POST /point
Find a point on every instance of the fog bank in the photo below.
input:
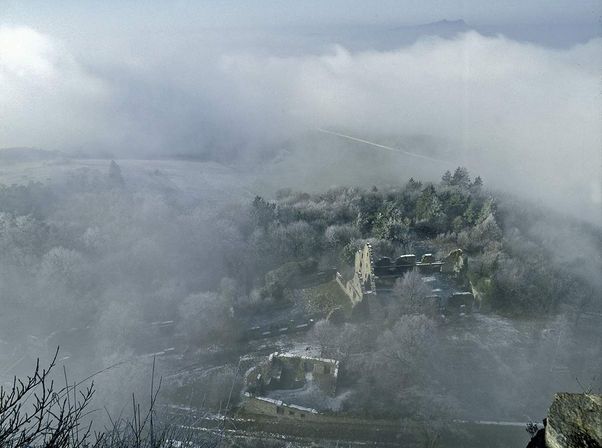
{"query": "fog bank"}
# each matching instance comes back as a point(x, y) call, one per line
point(525, 117)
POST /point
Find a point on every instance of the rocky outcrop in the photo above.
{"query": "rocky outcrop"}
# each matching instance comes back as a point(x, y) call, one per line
point(574, 421)
point(538, 440)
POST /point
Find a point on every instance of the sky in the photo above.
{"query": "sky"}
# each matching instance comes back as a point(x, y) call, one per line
point(60, 13)
point(514, 91)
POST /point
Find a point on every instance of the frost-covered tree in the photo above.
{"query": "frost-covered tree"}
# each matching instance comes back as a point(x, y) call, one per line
point(206, 318)
point(339, 235)
point(461, 178)
point(404, 350)
point(446, 179)
point(412, 292)
point(429, 210)
point(115, 176)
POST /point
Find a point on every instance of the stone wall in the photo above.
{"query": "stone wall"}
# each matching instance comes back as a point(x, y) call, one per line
point(364, 262)
point(454, 263)
point(291, 371)
point(461, 302)
point(352, 288)
point(276, 408)
point(324, 372)
point(372, 275)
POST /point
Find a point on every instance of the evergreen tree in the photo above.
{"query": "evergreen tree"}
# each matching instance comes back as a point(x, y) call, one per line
point(115, 175)
point(429, 210)
point(477, 185)
point(446, 179)
point(263, 212)
point(413, 185)
point(461, 177)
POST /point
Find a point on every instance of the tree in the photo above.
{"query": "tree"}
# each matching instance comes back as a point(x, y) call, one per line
point(295, 240)
point(33, 412)
point(454, 203)
point(446, 179)
point(412, 293)
point(115, 175)
point(323, 335)
point(477, 185)
point(338, 341)
point(348, 252)
point(340, 235)
point(485, 232)
point(471, 213)
point(429, 210)
point(205, 318)
point(263, 212)
point(413, 184)
point(461, 177)
point(369, 205)
point(403, 351)
point(284, 276)
point(389, 225)
point(64, 266)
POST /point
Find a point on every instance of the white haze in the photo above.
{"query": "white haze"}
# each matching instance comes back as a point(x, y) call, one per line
point(525, 117)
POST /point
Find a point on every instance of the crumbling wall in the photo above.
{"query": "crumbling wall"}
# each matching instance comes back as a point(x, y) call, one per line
point(462, 302)
point(362, 281)
point(372, 275)
point(364, 263)
point(258, 378)
point(352, 288)
point(454, 263)
point(290, 371)
point(322, 371)
point(276, 408)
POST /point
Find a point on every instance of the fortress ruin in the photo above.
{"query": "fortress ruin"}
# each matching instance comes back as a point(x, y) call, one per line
point(293, 376)
point(292, 371)
point(371, 275)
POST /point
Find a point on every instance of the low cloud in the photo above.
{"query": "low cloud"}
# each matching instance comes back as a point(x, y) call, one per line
point(525, 117)
point(47, 99)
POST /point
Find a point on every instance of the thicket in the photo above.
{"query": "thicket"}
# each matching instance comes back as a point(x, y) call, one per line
point(99, 257)
point(515, 269)
point(94, 252)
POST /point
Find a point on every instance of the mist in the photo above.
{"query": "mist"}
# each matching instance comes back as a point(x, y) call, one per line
point(165, 177)
point(523, 115)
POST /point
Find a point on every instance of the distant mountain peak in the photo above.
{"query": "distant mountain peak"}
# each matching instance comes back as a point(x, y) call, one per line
point(458, 22)
point(442, 27)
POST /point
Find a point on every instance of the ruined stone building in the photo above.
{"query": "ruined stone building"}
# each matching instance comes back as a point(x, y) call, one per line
point(277, 408)
point(306, 382)
point(292, 371)
point(373, 275)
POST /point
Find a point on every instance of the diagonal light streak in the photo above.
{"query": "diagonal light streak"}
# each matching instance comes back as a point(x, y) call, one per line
point(385, 147)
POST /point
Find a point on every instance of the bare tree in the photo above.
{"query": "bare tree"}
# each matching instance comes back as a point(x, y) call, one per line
point(408, 343)
point(323, 335)
point(33, 412)
point(412, 293)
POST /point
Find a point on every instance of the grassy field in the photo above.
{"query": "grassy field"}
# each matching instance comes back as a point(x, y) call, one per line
point(325, 298)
